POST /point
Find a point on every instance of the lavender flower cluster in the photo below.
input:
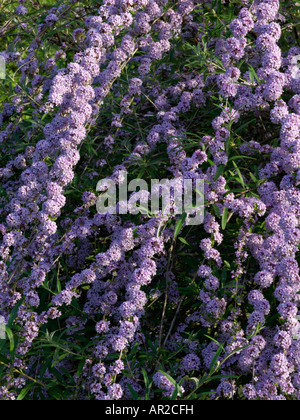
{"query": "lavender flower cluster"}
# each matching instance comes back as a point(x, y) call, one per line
point(120, 100)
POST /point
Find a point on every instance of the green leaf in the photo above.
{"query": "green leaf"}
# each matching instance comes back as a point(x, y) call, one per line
point(225, 218)
point(58, 285)
point(196, 380)
point(215, 358)
point(134, 394)
point(253, 75)
point(11, 338)
point(173, 382)
point(180, 224)
point(239, 174)
point(254, 179)
point(204, 394)
point(183, 241)
point(14, 313)
point(55, 393)
point(219, 172)
point(146, 379)
point(212, 378)
point(217, 211)
point(148, 385)
point(240, 157)
point(25, 391)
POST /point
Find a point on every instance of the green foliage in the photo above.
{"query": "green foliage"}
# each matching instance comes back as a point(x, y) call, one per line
point(53, 346)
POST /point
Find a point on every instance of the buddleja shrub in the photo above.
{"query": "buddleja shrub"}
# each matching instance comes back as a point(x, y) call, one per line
point(142, 306)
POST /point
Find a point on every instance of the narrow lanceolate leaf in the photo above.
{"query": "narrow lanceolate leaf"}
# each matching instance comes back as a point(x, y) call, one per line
point(215, 359)
point(10, 336)
point(106, 291)
point(225, 218)
point(219, 172)
point(25, 391)
point(184, 241)
point(239, 174)
point(179, 225)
